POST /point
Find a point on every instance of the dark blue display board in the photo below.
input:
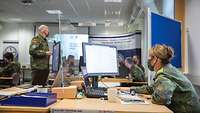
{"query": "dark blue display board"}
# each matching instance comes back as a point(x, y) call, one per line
point(56, 57)
point(167, 31)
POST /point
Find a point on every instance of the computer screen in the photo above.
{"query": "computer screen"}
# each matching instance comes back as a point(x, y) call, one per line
point(100, 60)
point(81, 63)
point(56, 57)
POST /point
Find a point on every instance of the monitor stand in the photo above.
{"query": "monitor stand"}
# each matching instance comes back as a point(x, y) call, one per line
point(94, 81)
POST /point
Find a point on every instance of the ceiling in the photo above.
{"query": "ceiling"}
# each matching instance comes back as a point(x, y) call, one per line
point(74, 11)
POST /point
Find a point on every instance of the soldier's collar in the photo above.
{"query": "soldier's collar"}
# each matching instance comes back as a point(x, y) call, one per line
point(161, 70)
point(41, 36)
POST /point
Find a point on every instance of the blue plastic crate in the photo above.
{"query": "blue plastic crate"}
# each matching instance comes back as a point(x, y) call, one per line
point(31, 99)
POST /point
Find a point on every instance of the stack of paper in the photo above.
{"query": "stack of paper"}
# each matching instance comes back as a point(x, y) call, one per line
point(131, 99)
point(11, 91)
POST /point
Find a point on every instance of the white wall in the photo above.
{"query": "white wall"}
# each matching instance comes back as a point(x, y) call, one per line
point(25, 35)
point(18, 32)
point(193, 37)
point(24, 32)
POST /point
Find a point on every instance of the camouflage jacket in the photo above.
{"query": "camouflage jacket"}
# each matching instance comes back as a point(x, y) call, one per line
point(137, 73)
point(38, 48)
point(9, 69)
point(173, 89)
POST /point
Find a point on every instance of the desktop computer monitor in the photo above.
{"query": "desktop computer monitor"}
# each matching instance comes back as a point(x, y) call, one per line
point(56, 57)
point(81, 63)
point(100, 60)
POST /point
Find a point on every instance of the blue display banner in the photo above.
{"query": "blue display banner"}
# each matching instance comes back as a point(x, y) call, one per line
point(167, 31)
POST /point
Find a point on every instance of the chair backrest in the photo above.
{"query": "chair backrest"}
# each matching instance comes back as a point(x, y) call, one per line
point(16, 79)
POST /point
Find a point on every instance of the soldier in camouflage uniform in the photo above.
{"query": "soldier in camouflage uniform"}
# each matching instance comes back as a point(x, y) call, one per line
point(10, 65)
point(136, 72)
point(137, 61)
point(40, 54)
point(171, 87)
point(69, 65)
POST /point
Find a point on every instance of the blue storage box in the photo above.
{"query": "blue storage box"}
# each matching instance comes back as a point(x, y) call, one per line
point(31, 99)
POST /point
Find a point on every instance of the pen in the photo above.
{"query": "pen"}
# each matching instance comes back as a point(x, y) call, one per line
point(133, 100)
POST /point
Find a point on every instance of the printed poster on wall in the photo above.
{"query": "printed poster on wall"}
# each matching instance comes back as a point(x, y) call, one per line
point(127, 45)
point(13, 47)
point(72, 44)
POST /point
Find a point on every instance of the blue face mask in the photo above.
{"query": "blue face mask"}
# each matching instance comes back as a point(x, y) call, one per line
point(150, 66)
point(47, 34)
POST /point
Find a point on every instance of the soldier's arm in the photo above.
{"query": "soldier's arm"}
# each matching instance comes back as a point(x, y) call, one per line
point(8, 70)
point(17, 67)
point(143, 89)
point(137, 74)
point(35, 49)
point(164, 89)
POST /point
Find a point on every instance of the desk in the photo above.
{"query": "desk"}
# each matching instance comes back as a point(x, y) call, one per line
point(110, 80)
point(94, 105)
point(122, 80)
point(17, 109)
point(23, 109)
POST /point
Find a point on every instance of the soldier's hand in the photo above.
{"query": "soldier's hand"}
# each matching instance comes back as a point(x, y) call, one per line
point(49, 53)
point(123, 88)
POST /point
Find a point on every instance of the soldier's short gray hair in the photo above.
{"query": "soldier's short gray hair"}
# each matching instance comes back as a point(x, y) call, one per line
point(41, 28)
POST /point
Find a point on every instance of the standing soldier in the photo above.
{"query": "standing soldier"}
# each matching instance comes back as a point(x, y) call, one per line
point(40, 54)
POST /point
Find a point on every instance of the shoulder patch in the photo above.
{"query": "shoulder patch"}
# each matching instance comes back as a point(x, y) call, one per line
point(34, 46)
point(35, 41)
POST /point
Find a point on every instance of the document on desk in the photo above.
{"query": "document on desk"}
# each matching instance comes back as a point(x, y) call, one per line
point(11, 91)
point(131, 99)
point(15, 90)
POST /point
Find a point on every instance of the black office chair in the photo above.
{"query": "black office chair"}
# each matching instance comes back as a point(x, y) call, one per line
point(13, 80)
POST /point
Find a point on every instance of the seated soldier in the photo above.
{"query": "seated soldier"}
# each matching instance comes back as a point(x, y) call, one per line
point(171, 87)
point(137, 61)
point(135, 71)
point(123, 70)
point(10, 65)
point(69, 66)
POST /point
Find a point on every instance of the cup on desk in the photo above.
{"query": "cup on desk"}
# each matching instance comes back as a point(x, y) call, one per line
point(42, 90)
point(112, 95)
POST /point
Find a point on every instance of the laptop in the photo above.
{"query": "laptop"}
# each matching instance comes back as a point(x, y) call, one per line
point(84, 71)
point(58, 80)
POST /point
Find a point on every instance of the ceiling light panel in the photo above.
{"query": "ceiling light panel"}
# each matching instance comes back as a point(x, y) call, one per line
point(54, 12)
point(113, 1)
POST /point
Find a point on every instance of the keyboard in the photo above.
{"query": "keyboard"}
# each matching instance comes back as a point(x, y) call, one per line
point(96, 92)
